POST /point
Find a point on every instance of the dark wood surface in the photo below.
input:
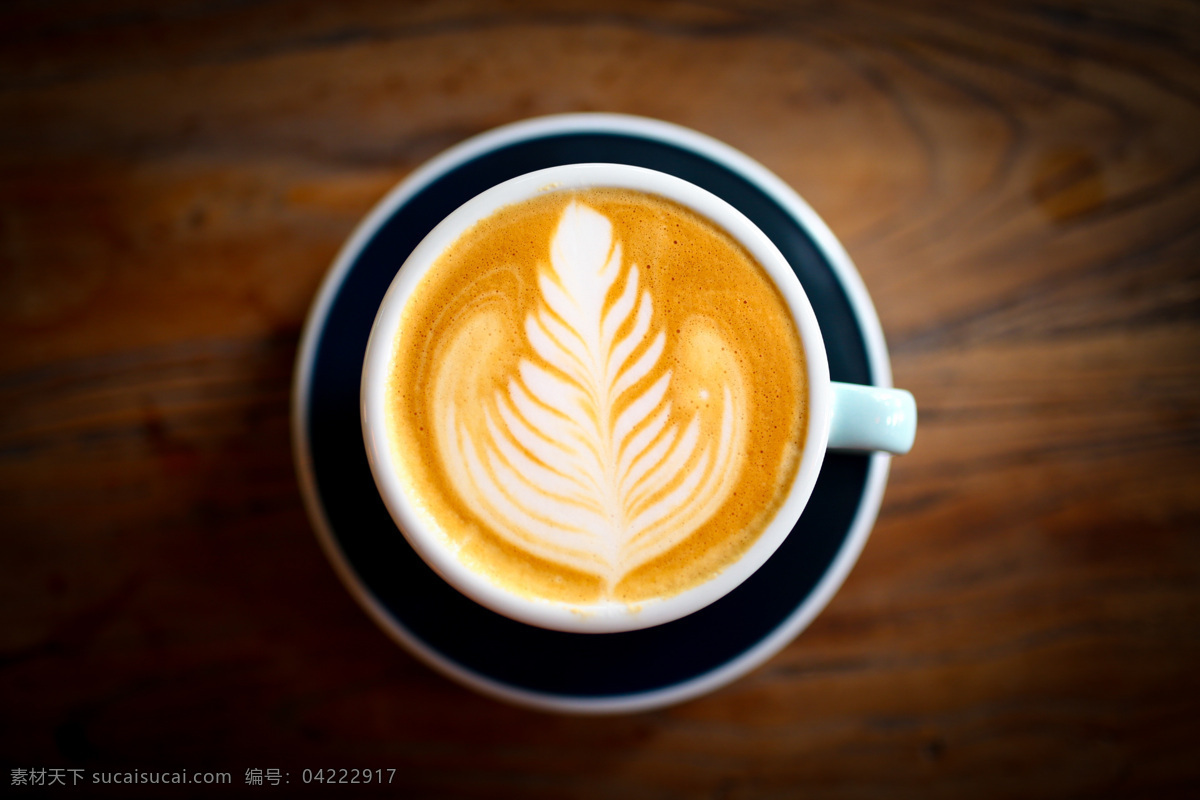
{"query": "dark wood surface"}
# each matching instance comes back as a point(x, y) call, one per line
point(1018, 184)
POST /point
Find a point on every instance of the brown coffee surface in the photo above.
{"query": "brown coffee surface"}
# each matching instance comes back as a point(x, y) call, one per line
point(597, 395)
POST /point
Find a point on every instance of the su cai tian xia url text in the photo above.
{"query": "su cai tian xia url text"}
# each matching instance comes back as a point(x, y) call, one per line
point(254, 776)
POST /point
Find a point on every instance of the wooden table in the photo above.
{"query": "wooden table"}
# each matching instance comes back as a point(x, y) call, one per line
point(1019, 187)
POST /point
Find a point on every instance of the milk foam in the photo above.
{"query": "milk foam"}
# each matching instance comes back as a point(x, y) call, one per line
point(595, 395)
point(574, 460)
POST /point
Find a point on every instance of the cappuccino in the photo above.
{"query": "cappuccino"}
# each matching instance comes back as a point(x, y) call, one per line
point(596, 395)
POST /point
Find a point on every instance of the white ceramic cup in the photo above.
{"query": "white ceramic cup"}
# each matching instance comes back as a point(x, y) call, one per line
point(840, 416)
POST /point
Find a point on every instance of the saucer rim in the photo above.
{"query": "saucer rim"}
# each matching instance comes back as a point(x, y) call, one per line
point(844, 271)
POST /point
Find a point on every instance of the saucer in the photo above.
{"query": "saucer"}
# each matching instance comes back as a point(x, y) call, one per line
point(552, 670)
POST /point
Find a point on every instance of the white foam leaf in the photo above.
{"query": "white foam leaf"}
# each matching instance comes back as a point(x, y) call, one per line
point(583, 462)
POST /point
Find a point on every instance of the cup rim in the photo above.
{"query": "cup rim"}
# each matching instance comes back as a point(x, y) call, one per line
point(608, 616)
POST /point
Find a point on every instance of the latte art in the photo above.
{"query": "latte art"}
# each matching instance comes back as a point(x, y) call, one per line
point(576, 460)
point(596, 395)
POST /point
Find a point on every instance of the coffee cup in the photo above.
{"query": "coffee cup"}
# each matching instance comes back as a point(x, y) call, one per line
point(595, 398)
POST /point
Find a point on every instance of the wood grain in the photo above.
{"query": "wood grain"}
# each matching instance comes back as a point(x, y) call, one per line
point(1019, 185)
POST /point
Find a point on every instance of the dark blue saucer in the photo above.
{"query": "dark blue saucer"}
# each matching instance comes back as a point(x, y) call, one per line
point(467, 641)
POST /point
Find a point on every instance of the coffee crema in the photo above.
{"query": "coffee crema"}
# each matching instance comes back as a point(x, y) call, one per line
point(596, 395)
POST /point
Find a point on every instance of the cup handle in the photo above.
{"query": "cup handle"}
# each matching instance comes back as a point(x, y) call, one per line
point(872, 418)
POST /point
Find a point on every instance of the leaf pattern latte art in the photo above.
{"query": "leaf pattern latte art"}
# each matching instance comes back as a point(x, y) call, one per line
point(579, 459)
